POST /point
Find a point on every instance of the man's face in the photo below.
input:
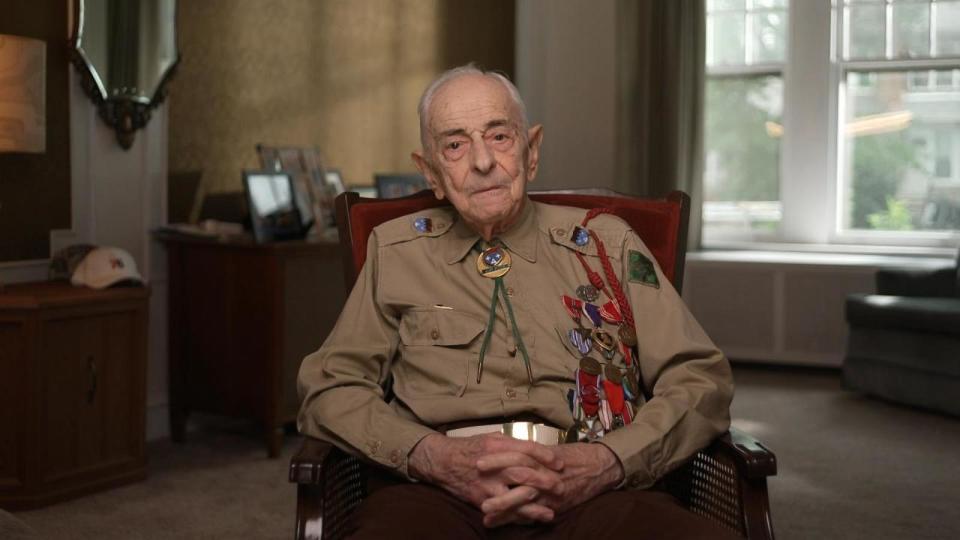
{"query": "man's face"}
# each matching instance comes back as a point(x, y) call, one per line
point(478, 157)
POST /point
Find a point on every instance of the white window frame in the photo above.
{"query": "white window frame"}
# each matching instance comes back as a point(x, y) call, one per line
point(810, 171)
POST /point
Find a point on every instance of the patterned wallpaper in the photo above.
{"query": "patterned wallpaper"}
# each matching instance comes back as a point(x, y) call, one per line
point(341, 75)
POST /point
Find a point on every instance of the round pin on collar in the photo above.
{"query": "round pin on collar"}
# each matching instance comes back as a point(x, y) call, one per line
point(580, 236)
point(493, 262)
point(423, 224)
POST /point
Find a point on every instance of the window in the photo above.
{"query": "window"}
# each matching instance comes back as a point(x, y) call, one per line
point(832, 122)
point(746, 45)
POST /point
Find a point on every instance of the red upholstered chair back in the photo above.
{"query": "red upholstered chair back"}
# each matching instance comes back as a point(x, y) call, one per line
point(661, 223)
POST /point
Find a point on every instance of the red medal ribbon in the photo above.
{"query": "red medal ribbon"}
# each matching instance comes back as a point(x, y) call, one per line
point(614, 396)
point(610, 313)
point(589, 393)
point(573, 306)
point(627, 354)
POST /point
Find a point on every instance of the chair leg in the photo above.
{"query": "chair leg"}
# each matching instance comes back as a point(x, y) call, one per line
point(309, 512)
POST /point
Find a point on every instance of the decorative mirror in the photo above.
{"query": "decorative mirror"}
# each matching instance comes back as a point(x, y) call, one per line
point(125, 51)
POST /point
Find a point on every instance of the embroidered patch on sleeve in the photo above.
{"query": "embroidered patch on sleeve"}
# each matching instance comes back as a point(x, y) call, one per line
point(641, 270)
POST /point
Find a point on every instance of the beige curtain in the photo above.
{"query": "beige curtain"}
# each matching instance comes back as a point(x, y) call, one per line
point(660, 56)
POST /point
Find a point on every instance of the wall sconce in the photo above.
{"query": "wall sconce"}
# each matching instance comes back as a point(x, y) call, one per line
point(23, 94)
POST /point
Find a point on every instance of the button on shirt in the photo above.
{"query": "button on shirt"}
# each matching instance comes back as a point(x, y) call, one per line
point(418, 313)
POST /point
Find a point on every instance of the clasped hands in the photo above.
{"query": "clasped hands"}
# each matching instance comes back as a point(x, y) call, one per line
point(513, 481)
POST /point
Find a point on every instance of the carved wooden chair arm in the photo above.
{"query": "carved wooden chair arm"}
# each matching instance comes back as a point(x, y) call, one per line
point(330, 485)
point(727, 482)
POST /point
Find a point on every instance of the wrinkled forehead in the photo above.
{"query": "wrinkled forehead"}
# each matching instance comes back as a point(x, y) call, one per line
point(471, 102)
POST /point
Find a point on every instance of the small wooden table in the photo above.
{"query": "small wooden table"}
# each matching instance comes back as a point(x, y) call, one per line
point(242, 318)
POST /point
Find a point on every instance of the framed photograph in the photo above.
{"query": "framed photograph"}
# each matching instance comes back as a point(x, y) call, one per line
point(306, 168)
point(393, 185)
point(274, 210)
point(334, 181)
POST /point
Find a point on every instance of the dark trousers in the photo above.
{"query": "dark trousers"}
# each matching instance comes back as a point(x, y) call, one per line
point(421, 511)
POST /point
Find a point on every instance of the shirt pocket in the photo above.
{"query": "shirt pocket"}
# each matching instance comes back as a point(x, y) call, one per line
point(437, 346)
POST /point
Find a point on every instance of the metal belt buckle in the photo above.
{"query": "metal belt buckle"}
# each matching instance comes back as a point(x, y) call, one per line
point(524, 431)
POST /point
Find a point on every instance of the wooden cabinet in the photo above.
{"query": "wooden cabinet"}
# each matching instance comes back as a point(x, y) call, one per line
point(242, 317)
point(72, 390)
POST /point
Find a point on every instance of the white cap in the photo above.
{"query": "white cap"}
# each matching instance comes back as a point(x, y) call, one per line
point(105, 266)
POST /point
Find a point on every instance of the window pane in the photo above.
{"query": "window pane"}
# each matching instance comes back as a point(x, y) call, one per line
point(901, 164)
point(911, 30)
point(714, 5)
point(769, 3)
point(948, 28)
point(742, 157)
point(769, 36)
point(867, 31)
point(725, 39)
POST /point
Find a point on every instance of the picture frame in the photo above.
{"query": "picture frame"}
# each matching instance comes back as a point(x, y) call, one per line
point(334, 181)
point(393, 185)
point(272, 198)
point(305, 166)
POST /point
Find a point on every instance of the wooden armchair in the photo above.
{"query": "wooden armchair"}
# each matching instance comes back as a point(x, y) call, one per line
point(726, 482)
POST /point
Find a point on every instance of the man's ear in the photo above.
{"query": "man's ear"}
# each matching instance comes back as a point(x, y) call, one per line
point(428, 172)
point(534, 138)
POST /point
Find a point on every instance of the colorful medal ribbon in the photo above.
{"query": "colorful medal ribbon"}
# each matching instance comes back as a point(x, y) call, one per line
point(573, 306)
point(610, 310)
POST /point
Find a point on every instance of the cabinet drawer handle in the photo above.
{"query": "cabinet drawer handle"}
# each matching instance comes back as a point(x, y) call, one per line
point(92, 391)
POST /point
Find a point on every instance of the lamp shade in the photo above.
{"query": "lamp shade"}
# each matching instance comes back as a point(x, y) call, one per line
point(23, 94)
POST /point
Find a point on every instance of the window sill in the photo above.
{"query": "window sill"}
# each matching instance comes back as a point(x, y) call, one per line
point(832, 256)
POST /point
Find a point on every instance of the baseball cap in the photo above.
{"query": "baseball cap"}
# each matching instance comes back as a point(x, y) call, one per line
point(103, 267)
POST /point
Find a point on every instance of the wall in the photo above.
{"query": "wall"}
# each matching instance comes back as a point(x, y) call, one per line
point(566, 73)
point(342, 76)
point(35, 188)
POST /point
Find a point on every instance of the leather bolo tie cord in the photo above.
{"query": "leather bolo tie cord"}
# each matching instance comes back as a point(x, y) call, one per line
point(499, 292)
point(595, 278)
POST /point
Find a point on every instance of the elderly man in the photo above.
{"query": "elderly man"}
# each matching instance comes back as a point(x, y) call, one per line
point(500, 316)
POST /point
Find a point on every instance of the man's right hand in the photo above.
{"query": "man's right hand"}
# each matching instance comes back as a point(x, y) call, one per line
point(451, 463)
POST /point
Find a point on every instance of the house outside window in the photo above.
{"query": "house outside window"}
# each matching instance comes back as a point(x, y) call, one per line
point(831, 123)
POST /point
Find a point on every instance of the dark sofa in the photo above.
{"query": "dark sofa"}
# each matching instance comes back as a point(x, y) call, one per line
point(904, 342)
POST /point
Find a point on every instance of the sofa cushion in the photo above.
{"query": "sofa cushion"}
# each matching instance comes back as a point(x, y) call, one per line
point(937, 315)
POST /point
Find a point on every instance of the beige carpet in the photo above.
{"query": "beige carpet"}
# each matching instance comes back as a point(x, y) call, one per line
point(850, 467)
point(219, 484)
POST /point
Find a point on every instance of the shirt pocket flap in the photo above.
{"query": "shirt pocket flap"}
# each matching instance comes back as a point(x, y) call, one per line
point(442, 327)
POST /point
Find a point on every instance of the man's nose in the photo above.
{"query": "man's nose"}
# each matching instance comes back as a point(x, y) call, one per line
point(481, 157)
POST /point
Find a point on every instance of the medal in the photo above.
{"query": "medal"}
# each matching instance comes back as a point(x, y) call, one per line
point(605, 415)
point(588, 392)
point(493, 262)
point(612, 374)
point(587, 293)
point(590, 366)
point(628, 336)
point(580, 341)
point(604, 340)
point(593, 313)
point(610, 313)
point(630, 387)
point(573, 306)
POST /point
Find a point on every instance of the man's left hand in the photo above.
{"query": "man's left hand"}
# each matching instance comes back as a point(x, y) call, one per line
point(589, 470)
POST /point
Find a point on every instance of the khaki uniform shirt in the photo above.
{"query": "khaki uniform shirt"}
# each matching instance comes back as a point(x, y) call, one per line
point(418, 313)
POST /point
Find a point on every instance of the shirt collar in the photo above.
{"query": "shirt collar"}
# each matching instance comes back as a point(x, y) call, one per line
point(520, 239)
